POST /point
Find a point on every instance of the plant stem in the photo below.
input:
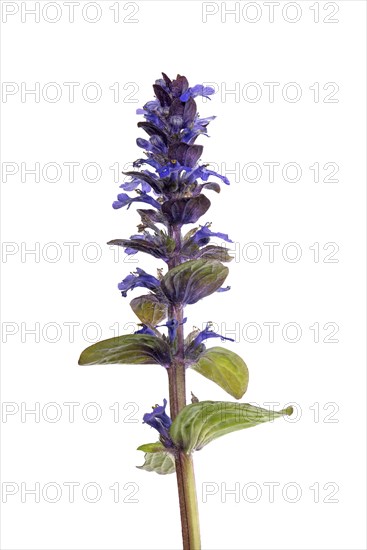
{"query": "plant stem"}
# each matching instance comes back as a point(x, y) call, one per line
point(177, 394)
point(188, 502)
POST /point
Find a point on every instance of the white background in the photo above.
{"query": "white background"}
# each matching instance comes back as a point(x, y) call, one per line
point(325, 379)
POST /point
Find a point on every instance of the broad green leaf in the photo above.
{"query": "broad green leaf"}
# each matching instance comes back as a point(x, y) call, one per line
point(156, 447)
point(159, 462)
point(199, 423)
point(225, 368)
point(149, 309)
point(132, 349)
point(190, 281)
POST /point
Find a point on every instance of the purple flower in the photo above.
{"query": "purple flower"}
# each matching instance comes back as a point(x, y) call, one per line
point(224, 289)
point(144, 144)
point(152, 162)
point(172, 124)
point(160, 421)
point(140, 279)
point(190, 134)
point(154, 145)
point(131, 251)
point(134, 183)
point(147, 179)
point(125, 200)
point(207, 333)
point(199, 89)
point(176, 123)
point(203, 173)
point(151, 244)
point(202, 236)
point(172, 168)
point(145, 330)
point(172, 325)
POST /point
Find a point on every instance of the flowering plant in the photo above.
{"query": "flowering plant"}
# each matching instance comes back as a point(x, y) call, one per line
point(172, 185)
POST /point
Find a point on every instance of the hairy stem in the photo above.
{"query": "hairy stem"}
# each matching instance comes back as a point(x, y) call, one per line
point(177, 394)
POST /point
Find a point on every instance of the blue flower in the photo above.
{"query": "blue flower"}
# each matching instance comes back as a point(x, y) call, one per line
point(172, 124)
point(172, 325)
point(160, 421)
point(152, 162)
point(145, 330)
point(202, 236)
point(134, 183)
point(199, 89)
point(154, 145)
point(125, 200)
point(189, 135)
point(131, 251)
point(207, 333)
point(152, 241)
point(224, 289)
point(203, 173)
point(144, 144)
point(171, 168)
point(140, 279)
point(176, 122)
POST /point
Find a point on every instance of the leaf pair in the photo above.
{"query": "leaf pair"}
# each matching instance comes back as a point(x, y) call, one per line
point(186, 283)
point(222, 366)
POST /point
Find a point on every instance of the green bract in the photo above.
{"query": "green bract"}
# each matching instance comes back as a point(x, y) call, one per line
point(149, 310)
point(191, 281)
point(156, 447)
point(159, 462)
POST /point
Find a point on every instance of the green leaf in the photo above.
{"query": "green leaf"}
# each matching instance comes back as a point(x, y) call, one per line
point(213, 252)
point(159, 462)
point(149, 309)
point(225, 368)
point(189, 282)
point(199, 423)
point(132, 349)
point(156, 447)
